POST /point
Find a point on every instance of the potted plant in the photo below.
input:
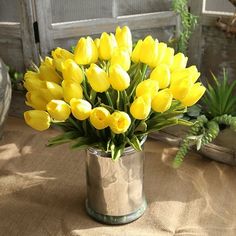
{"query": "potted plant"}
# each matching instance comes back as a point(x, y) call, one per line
point(106, 97)
point(216, 118)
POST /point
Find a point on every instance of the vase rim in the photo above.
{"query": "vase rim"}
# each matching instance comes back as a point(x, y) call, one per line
point(127, 150)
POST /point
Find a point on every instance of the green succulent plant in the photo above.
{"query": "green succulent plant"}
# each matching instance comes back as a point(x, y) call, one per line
point(218, 110)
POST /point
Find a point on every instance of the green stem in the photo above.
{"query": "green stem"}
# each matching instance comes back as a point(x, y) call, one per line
point(109, 99)
point(73, 122)
point(118, 100)
point(84, 124)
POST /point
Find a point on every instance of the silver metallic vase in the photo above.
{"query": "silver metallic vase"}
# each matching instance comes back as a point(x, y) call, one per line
point(115, 192)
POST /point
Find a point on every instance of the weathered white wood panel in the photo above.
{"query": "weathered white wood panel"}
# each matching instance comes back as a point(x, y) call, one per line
point(9, 11)
point(73, 10)
point(124, 7)
point(44, 18)
point(30, 51)
point(10, 30)
point(140, 21)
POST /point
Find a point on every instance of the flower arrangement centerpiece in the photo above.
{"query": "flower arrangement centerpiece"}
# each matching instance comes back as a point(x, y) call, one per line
point(110, 93)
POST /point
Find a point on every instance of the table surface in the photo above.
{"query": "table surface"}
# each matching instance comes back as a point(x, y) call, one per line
point(42, 191)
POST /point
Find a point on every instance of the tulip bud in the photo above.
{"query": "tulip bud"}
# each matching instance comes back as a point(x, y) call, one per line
point(49, 74)
point(39, 120)
point(124, 38)
point(97, 43)
point(180, 88)
point(86, 51)
point(49, 63)
point(33, 82)
point(122, 58)
point(118, 78)
point(148, 86)
point(168, 57)
point(195, 93)
point(80, 108)
point(135, 57)
point(119, 122)
point(149, 50)
point(58, 110)
point(107, 46)
point(141, 107)
point(190, 72)
point(161, 74)
point(180, 62)
point(36, 100)
point(54, 90)
point(71, 90)
point(99, 117)
point(71, 71)
point(97, 78)
point(162, 101)
point(31, 74)
point(160, 56)
point(60, 55)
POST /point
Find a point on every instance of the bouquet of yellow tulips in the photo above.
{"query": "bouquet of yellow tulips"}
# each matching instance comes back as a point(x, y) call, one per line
point(110, 93)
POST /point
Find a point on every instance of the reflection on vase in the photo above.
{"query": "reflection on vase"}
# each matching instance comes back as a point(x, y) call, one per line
point(115, 188)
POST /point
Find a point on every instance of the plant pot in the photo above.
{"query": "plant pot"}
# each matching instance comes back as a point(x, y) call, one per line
point(115, 192)
point(5, 94)
point(222, 149)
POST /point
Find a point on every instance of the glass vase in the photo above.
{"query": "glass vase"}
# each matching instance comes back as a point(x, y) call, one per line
point(115, 193)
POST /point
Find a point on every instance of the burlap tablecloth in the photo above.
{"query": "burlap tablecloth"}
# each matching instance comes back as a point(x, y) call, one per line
point(42, 191)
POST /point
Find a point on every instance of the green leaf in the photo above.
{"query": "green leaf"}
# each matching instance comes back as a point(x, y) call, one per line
point(135, 143)
point(83, 142)
point(63, 138)
point(116, 151)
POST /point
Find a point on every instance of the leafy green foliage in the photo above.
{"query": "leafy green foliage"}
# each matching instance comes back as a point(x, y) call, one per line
point(189, 22)
point(219, 98)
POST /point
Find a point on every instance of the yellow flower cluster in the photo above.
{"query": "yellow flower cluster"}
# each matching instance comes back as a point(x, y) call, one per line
point(108, 83)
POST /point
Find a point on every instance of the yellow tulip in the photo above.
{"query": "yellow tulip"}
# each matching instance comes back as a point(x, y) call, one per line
point(99, 117)
point(148, 86)
point(180, 62)
point(71, 71)
point(124, 38)
point(161, 53)
point(122, 58)
point(161, 74)
point(86, 51)
point(36, 100)
point(119, 122)
point(118, 78)
point(80, 108)
point(60, 55)
point(97, 42)
point(149, 50)
point(135, 57)
point(71, 90)
point(180, 88)
point(107, 46)
point(195, 93)
point(162, 101)
point(32, 75)
point(49, 62)
point(141, 107)
point(54, 90)
point(58, 110)
point(39, 120)
point(49, 74)
point(33, 83)
point(190, 72)
point(168, 57)
point(97, 78)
